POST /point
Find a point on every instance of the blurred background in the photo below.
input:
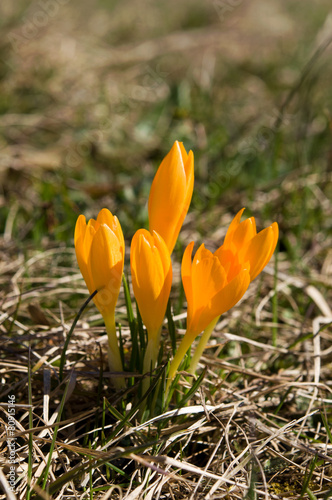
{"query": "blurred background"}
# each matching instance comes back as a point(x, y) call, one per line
point(93, 95)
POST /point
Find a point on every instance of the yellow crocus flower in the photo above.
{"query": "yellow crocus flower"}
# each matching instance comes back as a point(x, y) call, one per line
point(209, 294)
point(100, 249)
point(151, 272)
point(171, 193)
point(214, 283)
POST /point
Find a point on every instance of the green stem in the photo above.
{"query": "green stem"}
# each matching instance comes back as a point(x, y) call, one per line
point(275, 300)
point(150, 357)
point(201, 345)
point(114, 357)
point(180, 353)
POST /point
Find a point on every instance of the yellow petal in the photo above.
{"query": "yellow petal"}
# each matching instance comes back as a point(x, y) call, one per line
point(151, 277)
point(106, 217)
point(189, 169)
point(163, 253)
point(106, 267)
point(83, 238)
point(232, 228)
point(275, 230)
point(183, 151)
point(149, 268)
point(186, 268)
point(208, 277)
point(260, 249)
point(170, 194)
point(226, 258)
point(168, 275)
point(80, 229)
point(93, 223)
point(202, 253)
point(226, 298)
point(202, 279)
point(117, 229)
point(244, 233)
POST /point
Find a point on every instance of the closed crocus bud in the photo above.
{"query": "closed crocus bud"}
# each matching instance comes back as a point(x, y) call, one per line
point(100, 249)
point(209, 294)
point(151, 272)
point(171, 193)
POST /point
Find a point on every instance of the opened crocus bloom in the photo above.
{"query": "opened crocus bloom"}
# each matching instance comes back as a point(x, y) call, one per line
point(243, 245)
point(214, 283)
point(171, 193)
point(100, 249)
point(209, 294)
point(151, 272)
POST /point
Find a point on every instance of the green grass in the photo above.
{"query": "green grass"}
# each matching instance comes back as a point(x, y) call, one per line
point(87, 115)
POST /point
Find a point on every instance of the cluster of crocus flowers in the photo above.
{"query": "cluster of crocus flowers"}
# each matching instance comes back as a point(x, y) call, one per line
point(214, 283)
point(100, 248)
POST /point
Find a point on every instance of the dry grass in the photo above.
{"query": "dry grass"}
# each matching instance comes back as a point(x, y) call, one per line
point(258, 417)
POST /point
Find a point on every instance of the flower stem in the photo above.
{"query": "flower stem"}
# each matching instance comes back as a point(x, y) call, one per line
point(114, 357)
point(201, 345)
point(150, 357)
point(180, 353)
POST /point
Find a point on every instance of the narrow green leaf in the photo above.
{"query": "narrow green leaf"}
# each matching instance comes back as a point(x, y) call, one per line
point(130, 314)
point(308, 477)
point(142, 334)
point(135, 360)
point(192, 389)
point(171, 326)
point(311, 495)
point(326, 425)
point(283, 399)
point(77, 317)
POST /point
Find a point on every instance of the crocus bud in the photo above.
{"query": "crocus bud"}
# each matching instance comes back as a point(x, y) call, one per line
point(151, 272)
point(171, 193)
point(100, 250)
point(99, 247)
